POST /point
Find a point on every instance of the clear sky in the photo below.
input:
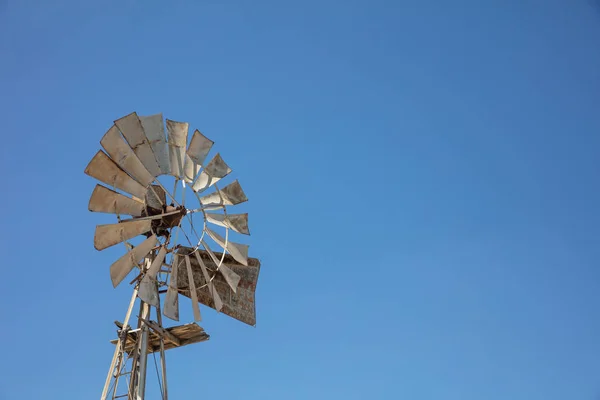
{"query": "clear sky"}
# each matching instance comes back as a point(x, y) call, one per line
point(423, 184)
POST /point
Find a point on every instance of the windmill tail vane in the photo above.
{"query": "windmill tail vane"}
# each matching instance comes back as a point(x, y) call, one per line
point(177, 243)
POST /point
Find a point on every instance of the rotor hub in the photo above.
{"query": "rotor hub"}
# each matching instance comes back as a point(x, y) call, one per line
point(161, 226)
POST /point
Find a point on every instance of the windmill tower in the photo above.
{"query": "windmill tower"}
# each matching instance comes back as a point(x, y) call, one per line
point(168, 238)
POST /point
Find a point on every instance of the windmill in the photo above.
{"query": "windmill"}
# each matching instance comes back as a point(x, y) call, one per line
point(168, 238)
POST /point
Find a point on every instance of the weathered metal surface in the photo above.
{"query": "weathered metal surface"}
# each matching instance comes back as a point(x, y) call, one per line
point(148, 289)
point(199, 147)
point(123, 266)
point(218, 304)
point(191, 169)
point(108, 201)
point(236, 222)
point(152, 200)
point(196, 154)
point(185, 334)
point(106, 170)
point(171, 309)
point(215, 170)
point(240, 305)
point(111, 234)
point(121, 153)
point(193, 293)
point(237, 250)
point(231, 194)
point(177, 139)
point(154, 128)
point(231, 277)
point(131, 127)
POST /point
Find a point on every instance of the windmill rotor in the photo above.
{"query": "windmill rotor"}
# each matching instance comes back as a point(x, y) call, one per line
point(178, 241)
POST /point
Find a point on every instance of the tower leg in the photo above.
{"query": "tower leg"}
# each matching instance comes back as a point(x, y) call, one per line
point(163, 361)
point(118, 348)
point(143, 359)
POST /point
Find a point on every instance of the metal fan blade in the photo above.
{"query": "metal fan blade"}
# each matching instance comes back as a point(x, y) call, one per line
point(193, 293)
point(131, 127)
point(237, 250)
point(111, 234)
point(231, 194)
point(105, 170)
point(214, 171)
point(123, 266)
point(196, 154)
point(237, 222)
point(148, 288)
point(177, 132)
point(191, 169)
point(231, 277)
point(108, 201)
point(211, 286)
point(152, 200)
point(155, 132)
point(171, 309)
point(121, 153)
point(199, 147)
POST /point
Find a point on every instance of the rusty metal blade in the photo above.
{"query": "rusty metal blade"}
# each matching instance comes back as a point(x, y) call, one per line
point(123, 266)
point(171, 309)
point(121, 153)
point(177, 133)
point(215, 170)
point(131, 127)
point(154, 128)
point(148, 288)
point(193, 292)
point(231, 277)
point(237, 222)
point(105, 170)
point(237, 250)
point(108, 201)
point(111, 234)
point(199, 147)
point(218, 303)
point(231, 194)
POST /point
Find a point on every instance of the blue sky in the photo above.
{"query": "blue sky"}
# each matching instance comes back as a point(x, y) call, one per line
point(423, 184)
